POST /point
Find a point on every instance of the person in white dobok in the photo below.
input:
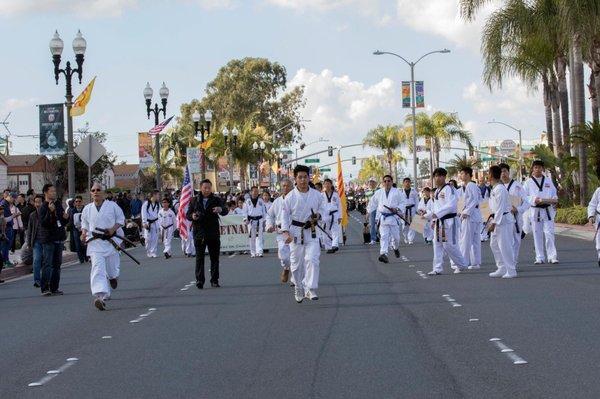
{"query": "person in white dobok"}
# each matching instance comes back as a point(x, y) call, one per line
point(106, 215)
point(150, 210)
point(515, 189)
point(443, 215)
point(542, 196)
point(593, 213)
point(332, 217)
point(389, 203)
point(470, 216)
point(501, 226)
point(254, 216)
point(166, 223)
point(301, 211)
point(274, 221)
point(412, 200)
point(187, 244)
point(425, 205)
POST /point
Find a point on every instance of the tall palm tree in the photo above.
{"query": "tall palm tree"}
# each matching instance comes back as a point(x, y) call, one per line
point(589, 137)
point(387, 139)
point(371, 168)
point(459, 162)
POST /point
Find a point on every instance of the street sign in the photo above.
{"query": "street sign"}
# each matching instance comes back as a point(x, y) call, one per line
point(193, 159)
point(90, 150)
point(324, 169)
point(508, 147)
point(312, 160)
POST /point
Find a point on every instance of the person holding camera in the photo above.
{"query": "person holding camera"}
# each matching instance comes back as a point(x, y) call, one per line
point(203, 212)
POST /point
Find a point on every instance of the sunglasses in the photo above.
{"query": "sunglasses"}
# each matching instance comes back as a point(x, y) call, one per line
point(387, 181)
point(95, 190)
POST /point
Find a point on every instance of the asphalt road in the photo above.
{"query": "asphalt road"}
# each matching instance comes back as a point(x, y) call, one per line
point(378, 331)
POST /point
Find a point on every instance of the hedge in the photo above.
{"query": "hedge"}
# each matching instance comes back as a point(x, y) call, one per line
point(572, 215)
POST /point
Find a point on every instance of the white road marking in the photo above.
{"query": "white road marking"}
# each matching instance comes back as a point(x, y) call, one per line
point(50, 374)
point(516, 359)
point(231, 256)
point(473, 320)
point(411, 265)
point(456, 305)
point(452, 301)
point(135, 321)
point(152, 309)
point(107, 337)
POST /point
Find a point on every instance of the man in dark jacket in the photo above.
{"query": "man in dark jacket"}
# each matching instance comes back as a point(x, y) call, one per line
point(32, 239)
point(204, 211)
point(52, 236)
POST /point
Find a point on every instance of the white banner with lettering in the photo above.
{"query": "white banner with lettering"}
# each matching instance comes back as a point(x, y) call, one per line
point(235, 235)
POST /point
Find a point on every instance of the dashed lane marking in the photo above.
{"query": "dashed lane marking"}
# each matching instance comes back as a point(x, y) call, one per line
point(452, 301)
point(509, 352)
point(50, 374)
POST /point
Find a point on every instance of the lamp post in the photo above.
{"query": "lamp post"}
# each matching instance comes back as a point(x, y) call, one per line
point(493, 121)
point(273, 155)
point(56, 49)
point(164, 94)
point(199, 130)
point(260, 148)
point(231, 144)
point(413, 103)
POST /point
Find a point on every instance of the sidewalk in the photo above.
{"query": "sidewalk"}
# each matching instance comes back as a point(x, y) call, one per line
point(575, 231)
point(21, 269)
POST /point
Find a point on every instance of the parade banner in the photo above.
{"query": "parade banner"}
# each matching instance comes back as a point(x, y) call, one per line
point(52, 129)
point(145, 150)
point(235, 235)
point(420, 94)
point(193, 159)
point(405, 94)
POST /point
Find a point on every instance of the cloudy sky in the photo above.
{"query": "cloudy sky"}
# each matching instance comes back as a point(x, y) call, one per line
point(326, 45)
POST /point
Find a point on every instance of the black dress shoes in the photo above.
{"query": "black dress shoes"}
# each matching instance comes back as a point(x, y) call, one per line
point(215, 285)
point(383, 258)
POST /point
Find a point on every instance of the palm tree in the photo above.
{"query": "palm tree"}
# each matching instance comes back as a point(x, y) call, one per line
point(387, 139)
point(588, 136)
point(371, 168)
point(459, 162)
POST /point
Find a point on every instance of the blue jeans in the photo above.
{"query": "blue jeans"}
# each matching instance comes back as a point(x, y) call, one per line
point(51, 262)
point(37, 262)
point(373, 225)
point(79, 247)
point(10, 236)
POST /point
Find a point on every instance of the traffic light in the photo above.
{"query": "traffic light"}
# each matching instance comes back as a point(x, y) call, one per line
point(330, 151)
point(353, 160)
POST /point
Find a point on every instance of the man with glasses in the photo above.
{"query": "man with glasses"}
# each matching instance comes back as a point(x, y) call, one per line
point(102, 216)
point(388, 202)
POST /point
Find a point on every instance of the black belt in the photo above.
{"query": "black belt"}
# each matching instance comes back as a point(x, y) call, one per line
point(166, 227)
point(150, 221)
point(408, 213)
point(543, 206)
point(304, 225)
point(254, 217)
point(441, 235)
point(331, 214)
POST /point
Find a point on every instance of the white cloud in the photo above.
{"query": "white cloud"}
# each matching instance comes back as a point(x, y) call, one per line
point(85, 8)
point(13, 104)
point(514, 98)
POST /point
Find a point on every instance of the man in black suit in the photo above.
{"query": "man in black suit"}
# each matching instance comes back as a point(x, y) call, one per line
point(204, 211)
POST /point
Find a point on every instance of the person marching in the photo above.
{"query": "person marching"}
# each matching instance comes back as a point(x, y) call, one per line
point(501, 226)
point(443, 215)
point(515, 189)
point(389, 203)
point(470, 216)
point(203, 212)
point(332, 217)
point(106, 215)
point(371, 218)
point(412, 200)
point(542, 195)
point(593, 213)
point(274, 220)
point(166, 222)
point(424, 205)
point(300, 214)
point(150, 210)
point(254, 214)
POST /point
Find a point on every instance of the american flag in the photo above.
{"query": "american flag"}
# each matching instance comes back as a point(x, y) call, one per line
point(159, 128)
point(187, 191)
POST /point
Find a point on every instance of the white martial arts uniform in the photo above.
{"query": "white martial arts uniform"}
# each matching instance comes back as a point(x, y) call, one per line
point(389, 223)
point(515, 189)
point(150, 217)
point(486, 195)
point(187, 244)
point(333, 212)
point(593, 210)
point(304, 249)
point(542, 219)
point(424, 207)
point(166, 223)
point(445, 241)
point(254, 216)
point(470, 229)
point(274, 220)
point(502, 238)
point(412, 200)
point(104, 257)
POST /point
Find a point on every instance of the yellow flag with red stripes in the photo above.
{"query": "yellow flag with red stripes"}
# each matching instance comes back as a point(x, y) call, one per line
point(83, 99)
point(342, 191)
point(206, 144)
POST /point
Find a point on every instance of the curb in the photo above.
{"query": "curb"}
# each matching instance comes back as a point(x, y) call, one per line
point(572, 231)
point(20, 270)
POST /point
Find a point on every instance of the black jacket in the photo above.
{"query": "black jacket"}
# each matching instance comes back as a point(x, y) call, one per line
point(207, 224)
point(33, 225)
point(52, 224)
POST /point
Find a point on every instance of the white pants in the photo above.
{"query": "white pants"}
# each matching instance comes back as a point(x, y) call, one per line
point(283, 252)
point(151, 237)
point(389, 237)
point(517, 239)
point(104, 267)
point(304, 260)
point(598, 237)
point(428, 232)
point(470, 242)
point(187, 245)
point(543, 233)
point(334, 231)
point(449, 247)
point(407, 233)
point(167, 237)
point(502, 245)
point(256, 237)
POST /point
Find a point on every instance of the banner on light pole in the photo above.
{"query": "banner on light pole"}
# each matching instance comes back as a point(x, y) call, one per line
point(52, 129)
point(193, 159)
point(420, 94)
point(405, 94)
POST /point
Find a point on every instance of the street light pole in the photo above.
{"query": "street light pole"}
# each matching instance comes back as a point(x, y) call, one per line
point(230, 145)
point(56, 48)
point(260, 148)
point(413, 99)
point(164, 94)
point(199, 130)
point(521, 163)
